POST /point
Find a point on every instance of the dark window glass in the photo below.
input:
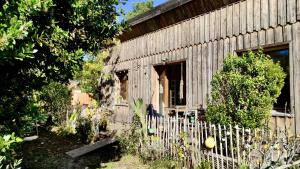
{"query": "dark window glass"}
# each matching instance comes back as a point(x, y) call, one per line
point(283, 101)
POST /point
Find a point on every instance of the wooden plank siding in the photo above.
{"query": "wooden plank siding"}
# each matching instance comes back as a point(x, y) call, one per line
point(205, 40)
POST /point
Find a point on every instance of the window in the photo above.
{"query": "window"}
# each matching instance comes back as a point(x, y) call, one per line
point(280, 54)
point(283, 101)
point(123, 84)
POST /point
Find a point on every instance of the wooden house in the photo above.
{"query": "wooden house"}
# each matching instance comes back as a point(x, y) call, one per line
point(170, 54)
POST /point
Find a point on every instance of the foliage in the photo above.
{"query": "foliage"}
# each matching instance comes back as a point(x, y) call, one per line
point(204, 165)
point(133, 141)
point(84, 130)
point(8, 144)
point(164, 163)
point(273, 149)
point(183, 149)
point(244, 91)
point(45, 40)
point(85, 124)
point(55, 99)
point(69, 126)
point(139, 8)
point(92, 74)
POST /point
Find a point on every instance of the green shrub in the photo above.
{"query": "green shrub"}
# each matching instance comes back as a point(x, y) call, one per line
point(244, 91)
point(204, 165)
point(164, 163)
point(134, 140)
point(84, 130)
point(8, 156)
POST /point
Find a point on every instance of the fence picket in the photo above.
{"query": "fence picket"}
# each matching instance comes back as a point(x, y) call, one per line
point(226, 146)
point(231, 145)
point(231, 148)
point(221, 146)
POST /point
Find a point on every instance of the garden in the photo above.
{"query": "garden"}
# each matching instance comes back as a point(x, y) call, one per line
point(46, 44)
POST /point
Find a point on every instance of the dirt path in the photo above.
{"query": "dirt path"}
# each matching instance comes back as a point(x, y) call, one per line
point(48, 152)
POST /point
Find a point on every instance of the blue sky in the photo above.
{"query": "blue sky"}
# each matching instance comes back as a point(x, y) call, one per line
point(128, 6)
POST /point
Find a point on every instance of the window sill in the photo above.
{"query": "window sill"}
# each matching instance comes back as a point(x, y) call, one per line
point(275, 113)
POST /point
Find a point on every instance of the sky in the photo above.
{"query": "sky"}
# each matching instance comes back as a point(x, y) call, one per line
point(128, 6)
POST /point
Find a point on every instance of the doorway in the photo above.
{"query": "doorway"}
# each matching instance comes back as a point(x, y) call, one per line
point(169, 86)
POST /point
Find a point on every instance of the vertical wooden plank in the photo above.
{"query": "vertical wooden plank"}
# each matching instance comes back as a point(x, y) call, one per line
point(247, 42)
point(179, 43)
point(278, 34)
point(257, 15)
point(191, 31)
point(206, 29)
point(298, 10)
point(187, 33)
point(220, 54)
point(212, 18)
point(194, 75)
point(296, 71)
point(183, 30)
point(262, 37)
point(215, 57)
point(264, 12)
point(189, 83)
point(287, 33)
point(240, 42)
point(226, 47)
point(282, 12)
point(223, 23)
point(273, 13)
point(204, 73)
point(232, 46)
point(250, 15)
point(229, 21)
point(197, 28)
point(270, 38)
point(254, 39)
point(236, 19)
point(218, 24)
point(199, 74)
point(209, 67)
point(201, 29)
point(291, 11)
point(243, 17)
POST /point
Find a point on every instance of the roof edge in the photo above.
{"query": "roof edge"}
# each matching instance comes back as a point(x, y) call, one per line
point(158, 10)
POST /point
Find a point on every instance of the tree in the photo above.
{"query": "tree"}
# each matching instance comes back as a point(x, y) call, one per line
point(45, 40)
point(139, 8)
point(244, 91)
point(92, 76)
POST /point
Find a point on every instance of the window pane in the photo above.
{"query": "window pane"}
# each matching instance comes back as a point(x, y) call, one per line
point(283, 101)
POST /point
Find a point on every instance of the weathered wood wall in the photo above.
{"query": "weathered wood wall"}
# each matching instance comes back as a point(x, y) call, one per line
point(204, 41)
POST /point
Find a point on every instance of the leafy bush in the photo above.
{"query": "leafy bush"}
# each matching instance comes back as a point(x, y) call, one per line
point(204, 165)
point(55, 99)
point(8, 144)
point(133, 141)
point(164, 163)
point(244, 91)
point(83, 130)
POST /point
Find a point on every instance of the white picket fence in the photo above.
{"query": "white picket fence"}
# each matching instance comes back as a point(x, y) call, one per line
point(234, 146)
